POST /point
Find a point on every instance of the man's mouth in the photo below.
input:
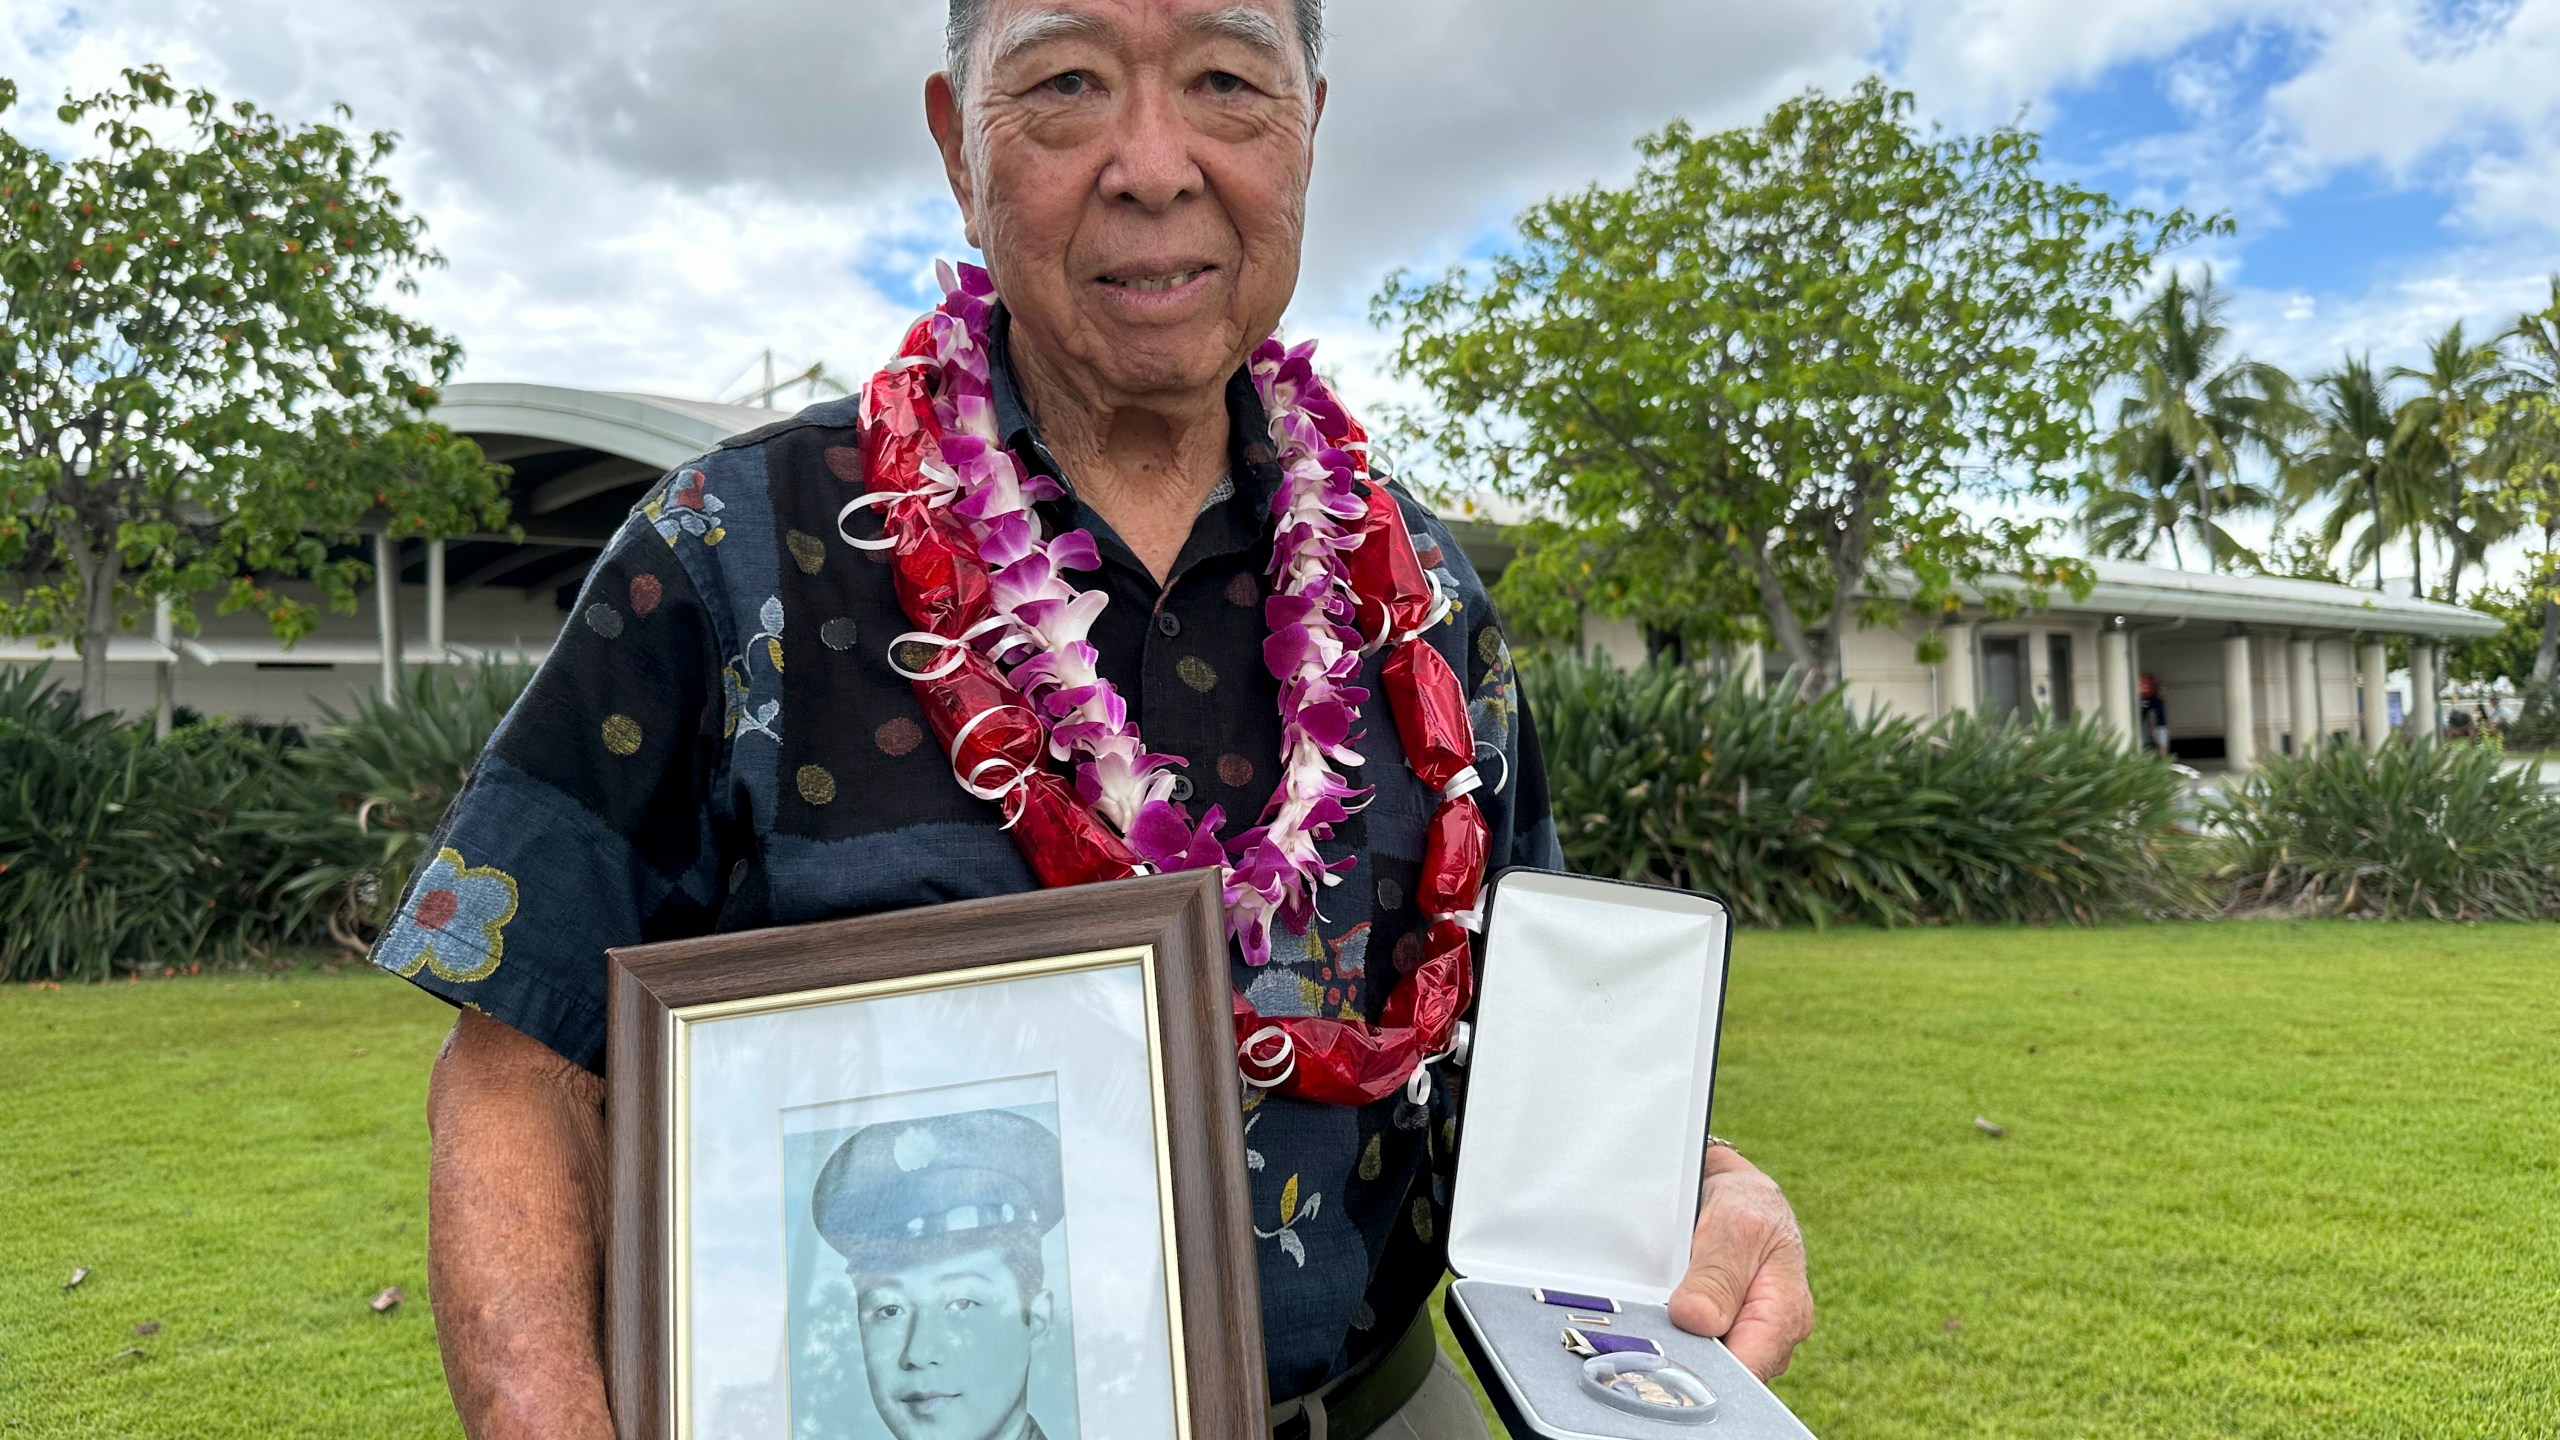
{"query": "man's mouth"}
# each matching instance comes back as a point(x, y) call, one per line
point(1157, 283)
point(926, 1404)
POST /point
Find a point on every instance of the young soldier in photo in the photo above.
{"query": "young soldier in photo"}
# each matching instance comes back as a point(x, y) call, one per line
point(940, 1223)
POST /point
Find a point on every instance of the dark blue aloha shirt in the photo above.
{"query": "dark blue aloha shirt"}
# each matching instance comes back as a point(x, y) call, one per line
point(718, 744)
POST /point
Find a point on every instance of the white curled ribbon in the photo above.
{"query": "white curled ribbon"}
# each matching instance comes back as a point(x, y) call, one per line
point(1379, 640)
point(944, 489)
point(973, 781)
point(1466, 782)
point(873, 500)
point(1283, 1060)
point(1418, 1089)
point(954, 652)
point(871, 412)
point(1506, 764)
point(1443, 604)
point(1471, 921)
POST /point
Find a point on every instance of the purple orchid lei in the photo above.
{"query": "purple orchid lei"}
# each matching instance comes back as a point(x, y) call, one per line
point(1274, 871)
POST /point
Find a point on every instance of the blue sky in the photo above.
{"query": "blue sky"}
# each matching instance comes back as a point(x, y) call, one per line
point(2132, 130)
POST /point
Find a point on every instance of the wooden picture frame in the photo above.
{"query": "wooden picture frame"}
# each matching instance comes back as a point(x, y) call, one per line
point(1167, 930)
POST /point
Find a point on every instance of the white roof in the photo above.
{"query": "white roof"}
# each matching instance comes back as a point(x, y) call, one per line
point(2139, 591)
point(655, 430)
point(663, 432)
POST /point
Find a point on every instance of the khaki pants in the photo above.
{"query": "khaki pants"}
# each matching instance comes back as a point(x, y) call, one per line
point(1443, 1409)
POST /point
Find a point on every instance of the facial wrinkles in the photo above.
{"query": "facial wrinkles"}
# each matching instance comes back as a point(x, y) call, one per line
point(1145, 172)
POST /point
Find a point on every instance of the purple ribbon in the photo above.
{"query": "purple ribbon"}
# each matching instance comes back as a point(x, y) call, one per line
point(1585, 1344)
point(1588, 1304)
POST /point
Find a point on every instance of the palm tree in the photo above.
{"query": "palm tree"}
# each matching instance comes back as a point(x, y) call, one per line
point(2441, 430)
point(2350, 454)
point(2525, 449)
point(2174, 458)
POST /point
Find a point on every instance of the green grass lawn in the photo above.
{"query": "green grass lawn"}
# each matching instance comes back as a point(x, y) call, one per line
point(2259, 1180)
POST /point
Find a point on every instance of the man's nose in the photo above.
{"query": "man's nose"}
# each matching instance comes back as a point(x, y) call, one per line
point(929, 1342)
point(1152, 166)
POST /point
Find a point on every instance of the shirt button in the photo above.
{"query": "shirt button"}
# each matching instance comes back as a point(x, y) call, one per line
point(1168, 624)
point(1182, 789)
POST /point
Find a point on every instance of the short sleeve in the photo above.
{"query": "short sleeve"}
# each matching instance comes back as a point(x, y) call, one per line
point(589, 821)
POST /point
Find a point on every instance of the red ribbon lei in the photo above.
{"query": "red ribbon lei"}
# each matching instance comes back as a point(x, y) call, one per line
point(960, 663)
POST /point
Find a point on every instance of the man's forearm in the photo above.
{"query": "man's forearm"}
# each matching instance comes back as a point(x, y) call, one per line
point(516, 1203)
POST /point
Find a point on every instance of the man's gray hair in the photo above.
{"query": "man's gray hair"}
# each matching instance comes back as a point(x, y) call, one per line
point(968, 17)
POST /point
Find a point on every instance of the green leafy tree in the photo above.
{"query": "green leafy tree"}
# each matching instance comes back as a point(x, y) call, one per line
point(2445, 430)
point(1750, 389)
point(201, 386)
point(2300, 555)
point(2509, 654)
point(2349, 454)
point(2194, 415)
point(2524, 452)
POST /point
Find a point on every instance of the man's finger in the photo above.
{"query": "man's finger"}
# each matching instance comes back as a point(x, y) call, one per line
point(1709, 1300)
point(1762, 1345)
point(1776, 1317)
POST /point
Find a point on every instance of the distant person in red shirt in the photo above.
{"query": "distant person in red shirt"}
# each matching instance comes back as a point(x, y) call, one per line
point(2155, 714)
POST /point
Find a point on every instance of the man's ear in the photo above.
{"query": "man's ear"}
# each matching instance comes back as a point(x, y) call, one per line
point(1315, 121)
point(943, 116)
point(1036, 1314)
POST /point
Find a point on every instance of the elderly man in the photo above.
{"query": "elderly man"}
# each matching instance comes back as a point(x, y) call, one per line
point(762, 715)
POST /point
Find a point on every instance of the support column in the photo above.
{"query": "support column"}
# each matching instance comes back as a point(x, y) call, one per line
point(2374, 685)
point(1957, 690)
point(164, 684)
point(386, 603)
point(2115, 683)
point(2422, 690)
point(2239, 703)
point(435, 601)
point(2302, 696)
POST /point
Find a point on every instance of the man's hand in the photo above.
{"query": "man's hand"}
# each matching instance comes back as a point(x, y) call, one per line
point(515, 1235)
point(1746, 1283)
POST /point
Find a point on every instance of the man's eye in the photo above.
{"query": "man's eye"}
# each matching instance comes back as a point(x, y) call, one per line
point(1073, 82)
point(1221, 82)
point(964, 1303)
point(887, 1311)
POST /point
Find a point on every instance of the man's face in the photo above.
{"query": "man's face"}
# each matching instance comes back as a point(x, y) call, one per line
point(1136, 173)
point(947, 1345)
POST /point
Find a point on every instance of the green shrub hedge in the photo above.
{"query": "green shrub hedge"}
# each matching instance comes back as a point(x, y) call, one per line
point(2447, 832)
point(120, 852)
point(1799, 813)
point(374, 784)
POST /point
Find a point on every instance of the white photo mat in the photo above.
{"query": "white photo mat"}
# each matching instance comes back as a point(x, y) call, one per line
point(1083, 1036)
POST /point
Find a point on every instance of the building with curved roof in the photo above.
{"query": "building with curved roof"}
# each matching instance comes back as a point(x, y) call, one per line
point(2245, 665)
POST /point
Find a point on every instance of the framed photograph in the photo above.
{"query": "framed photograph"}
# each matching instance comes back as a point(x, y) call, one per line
point(972, 1172)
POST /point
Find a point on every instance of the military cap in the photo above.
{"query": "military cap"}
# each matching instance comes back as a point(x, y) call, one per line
point(979, 1177)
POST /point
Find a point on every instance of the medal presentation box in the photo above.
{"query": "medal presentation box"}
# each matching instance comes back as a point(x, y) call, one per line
point(1589, 1086)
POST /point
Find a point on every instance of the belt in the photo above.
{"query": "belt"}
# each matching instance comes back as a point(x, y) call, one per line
point(1352, 1405)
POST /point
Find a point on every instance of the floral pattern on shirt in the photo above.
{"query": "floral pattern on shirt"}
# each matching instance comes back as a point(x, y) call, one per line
point(454, 925)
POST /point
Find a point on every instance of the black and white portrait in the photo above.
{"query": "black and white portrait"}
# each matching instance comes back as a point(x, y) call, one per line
point(930, 1296)
point(928, 1214)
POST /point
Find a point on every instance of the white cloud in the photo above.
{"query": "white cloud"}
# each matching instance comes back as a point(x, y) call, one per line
point(645, 193)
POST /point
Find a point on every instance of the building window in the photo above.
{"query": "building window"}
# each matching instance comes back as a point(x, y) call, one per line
point(2057, 652)
point(2004, 676)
